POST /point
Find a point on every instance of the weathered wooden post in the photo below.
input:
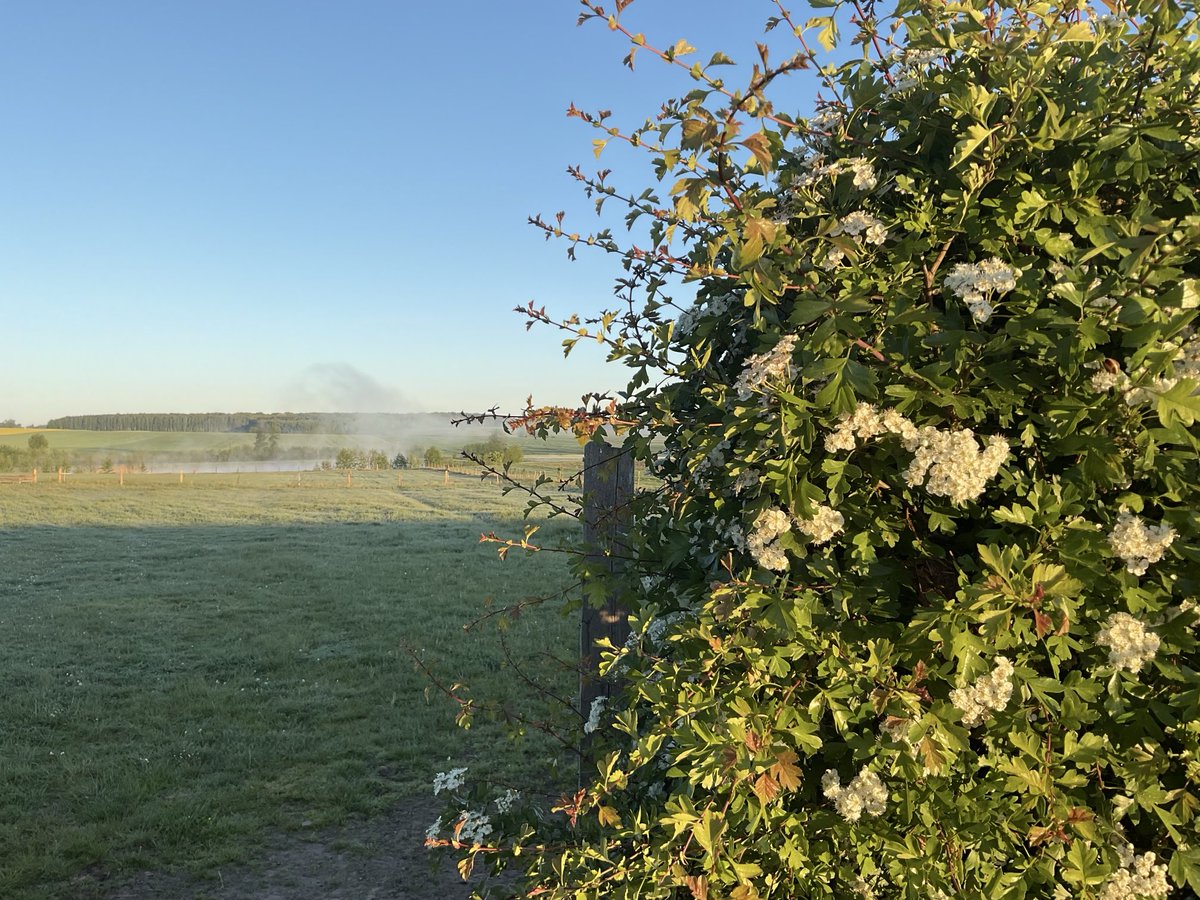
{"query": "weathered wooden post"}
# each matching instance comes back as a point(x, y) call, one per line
point(60, 474)
point(607, 491)
point(349, 478)
point(181, 476)
point(446, 476)
point(35, 476)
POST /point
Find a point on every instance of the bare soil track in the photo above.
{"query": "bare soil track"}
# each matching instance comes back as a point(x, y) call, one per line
point(380, 859)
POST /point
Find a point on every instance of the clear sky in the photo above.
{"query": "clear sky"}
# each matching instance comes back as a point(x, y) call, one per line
point(308, 204)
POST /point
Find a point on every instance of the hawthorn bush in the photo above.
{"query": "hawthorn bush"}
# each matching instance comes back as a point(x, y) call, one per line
point(915, 601)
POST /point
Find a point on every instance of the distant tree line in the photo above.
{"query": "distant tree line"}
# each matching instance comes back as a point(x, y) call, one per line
point(281, 423)
point(37, 454)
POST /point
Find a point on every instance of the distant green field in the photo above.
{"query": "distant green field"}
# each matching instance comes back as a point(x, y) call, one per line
point(191, 668)
point(90, 448)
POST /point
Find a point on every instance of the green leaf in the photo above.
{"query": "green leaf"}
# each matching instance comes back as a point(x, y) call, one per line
point(1179, 403)
point(976, 135)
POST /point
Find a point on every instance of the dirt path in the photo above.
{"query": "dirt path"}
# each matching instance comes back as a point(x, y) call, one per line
point(382, 859)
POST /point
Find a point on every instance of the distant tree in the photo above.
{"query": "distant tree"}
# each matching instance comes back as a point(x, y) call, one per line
point(106, 465)
point(9, 423)
point(38, 443)
point(434, 458)
point(260, 442)
point(348, 458)
point(399, 461)
point(377, 459)
point(495, 451)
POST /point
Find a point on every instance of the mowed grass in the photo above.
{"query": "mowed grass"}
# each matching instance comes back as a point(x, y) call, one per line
point(190, 669)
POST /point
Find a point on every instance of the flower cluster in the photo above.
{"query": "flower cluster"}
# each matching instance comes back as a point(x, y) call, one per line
point(860, 223)
point(1139, 876)
point(473, 826)
point(593, 719)
point(449, 781)
point(507, 800)
point(949, 462)
point(865, 794)
point(864, 174)
point(987, 695)
point(913, 64)
point(768, 526)
point(1139, 390)
point(827, 122)
point(824, 524)
point(765, 369)
point(975, 283)
point(746, 480)
point(1138, 544)
point(716, 307)
point(868, 421)
point(434, 831)
point(1130, 645)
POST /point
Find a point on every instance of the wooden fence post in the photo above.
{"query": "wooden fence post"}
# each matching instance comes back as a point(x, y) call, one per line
point(607, 490)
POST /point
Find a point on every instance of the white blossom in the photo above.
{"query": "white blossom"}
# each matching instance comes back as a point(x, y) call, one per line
point(593, 720)
point(768, 526)
point(449, 781)
point(714, 307)
point(432, 832)
point(865, 794)
point(1138, 544)
point(1130, 645)
point(950, 463)
point(765, 369)
point(824, 524)
point(1139, 876)
point(771, 523)
point(861, 223)
point(473, 826)
point(988, 694)
point(913, 66)
point(816, 169)
point(976, 283)
point(833, 259)
point(506, 800)
point(1109, 377)
point(745, 481)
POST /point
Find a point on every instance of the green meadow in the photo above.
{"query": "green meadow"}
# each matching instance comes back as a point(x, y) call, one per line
point(426, 431)
point(192, 668)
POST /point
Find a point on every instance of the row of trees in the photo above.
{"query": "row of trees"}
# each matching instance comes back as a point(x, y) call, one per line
point(282, 423)
point(37, 454)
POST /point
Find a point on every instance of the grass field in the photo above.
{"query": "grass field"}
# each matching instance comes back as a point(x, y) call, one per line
point(427, 431)
point(190, 668)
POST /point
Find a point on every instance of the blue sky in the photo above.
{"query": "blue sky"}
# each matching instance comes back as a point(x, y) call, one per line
point(293, 204)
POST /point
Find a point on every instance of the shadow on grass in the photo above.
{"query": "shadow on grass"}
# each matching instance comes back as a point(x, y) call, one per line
point(174, 694)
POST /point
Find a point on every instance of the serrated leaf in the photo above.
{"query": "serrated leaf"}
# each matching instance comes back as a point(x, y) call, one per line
point(976, 135)
point(785, 770)
point(765, 788)
point(609, 817)
point(760, 146)
point(1179, 403)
